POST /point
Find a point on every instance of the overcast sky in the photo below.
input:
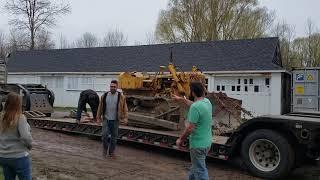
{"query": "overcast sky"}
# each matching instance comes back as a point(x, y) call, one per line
point(295, 12)
point(135, 18)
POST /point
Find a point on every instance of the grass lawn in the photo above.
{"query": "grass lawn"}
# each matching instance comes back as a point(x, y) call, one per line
point(64, 109)
point(68, 109)
point(1, 175)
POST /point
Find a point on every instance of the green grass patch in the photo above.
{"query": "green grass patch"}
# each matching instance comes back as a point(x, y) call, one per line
point(68, 109)
point(64, 109)
point(1, 174)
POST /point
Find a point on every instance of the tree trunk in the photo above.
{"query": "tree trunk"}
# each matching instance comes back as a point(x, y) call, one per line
point(32, 45)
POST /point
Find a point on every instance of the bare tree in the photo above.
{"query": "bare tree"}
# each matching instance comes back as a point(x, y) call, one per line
point(34, 15)
point(286, 34)
point(87, 40)
point(17, 40)
point(3, 46)
point(114, 38)
point(310, 31)
point(299, 52)
point(137, 43)
point(316, 49)
point(306, 50)
point(63, 42)
point(44, 40)
point(151, 38)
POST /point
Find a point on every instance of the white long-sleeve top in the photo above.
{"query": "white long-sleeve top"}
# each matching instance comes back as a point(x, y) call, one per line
point(16, 142)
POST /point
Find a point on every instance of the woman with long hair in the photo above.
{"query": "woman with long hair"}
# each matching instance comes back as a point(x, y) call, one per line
point(15, 140)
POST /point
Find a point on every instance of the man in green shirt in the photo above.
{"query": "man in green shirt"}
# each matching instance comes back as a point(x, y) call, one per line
point(199, 130)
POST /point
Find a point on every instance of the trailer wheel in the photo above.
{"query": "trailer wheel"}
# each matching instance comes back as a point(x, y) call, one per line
point(267, 154)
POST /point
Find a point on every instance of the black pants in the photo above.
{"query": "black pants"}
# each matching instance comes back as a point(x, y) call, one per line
point(82, 107)
point(94, 108)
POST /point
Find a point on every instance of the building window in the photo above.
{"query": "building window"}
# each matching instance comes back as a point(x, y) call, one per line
point(102, 83)
point(223, 88)
point(256, 88)
point(52, 82)
point(80, 83)
point(251, 81)
point(267, 81)
point(245, 81)
point(239, 81)
point(73, 83)
point(238, 88)
point(246, 88)
point(218, 88)
point(86, 83)
point(233, 88)
point(207, 80)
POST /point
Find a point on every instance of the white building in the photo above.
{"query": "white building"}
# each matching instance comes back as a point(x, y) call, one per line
point(249, 70)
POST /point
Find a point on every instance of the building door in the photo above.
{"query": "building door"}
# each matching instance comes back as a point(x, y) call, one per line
point(55, 84)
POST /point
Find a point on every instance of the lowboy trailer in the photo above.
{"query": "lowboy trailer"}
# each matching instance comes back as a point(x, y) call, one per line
point(270, 146)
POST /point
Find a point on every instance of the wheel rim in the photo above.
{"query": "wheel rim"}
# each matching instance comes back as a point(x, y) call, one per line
point(264, 155)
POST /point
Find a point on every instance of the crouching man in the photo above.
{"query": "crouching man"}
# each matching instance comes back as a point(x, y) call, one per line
point(87, 97)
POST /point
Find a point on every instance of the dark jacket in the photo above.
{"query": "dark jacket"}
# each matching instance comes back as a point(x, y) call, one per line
point(89, 96)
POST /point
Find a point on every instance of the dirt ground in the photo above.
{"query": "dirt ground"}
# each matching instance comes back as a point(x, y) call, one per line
point(62, 156)
point(67, 156)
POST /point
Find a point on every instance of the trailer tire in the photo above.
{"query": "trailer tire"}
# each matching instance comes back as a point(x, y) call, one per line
point(267, 154)
point(48, 114)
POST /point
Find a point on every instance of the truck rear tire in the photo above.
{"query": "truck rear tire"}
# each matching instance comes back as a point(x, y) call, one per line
point(267, 154)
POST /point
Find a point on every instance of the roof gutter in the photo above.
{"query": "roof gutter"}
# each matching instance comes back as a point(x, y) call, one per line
point(248, 72)
point(117, 73)
point(64, 73)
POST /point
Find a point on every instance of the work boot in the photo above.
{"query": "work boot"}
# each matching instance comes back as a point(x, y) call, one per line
point(113, 156)
point(104, 153)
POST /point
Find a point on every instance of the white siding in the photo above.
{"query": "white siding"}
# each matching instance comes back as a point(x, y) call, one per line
point(66, 88)
point(55, 84)
point(24, 79)
point(276, 93)
point(102, 83)
point(71, 92)
point(260, 93)
point(266, 101)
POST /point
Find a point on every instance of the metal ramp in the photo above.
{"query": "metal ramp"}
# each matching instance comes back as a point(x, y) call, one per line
point(34, 114)
point(159, 138)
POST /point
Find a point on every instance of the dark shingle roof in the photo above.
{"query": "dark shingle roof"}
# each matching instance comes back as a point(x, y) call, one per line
point(234, 55)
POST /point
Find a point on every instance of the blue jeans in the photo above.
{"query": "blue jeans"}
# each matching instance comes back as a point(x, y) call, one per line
point(13, 167)
point(198, 170)
point(109, 135)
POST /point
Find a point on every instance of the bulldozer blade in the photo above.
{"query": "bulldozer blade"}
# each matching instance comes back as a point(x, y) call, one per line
point(153, 121)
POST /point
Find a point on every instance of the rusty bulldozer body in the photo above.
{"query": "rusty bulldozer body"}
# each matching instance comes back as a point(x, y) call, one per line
point(150, 104)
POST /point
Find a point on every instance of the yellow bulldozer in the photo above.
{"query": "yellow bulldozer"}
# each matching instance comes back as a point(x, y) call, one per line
point(150, 104)
point(162, 84)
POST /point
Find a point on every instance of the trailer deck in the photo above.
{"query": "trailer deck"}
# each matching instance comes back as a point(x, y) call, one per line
point(160, 138)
